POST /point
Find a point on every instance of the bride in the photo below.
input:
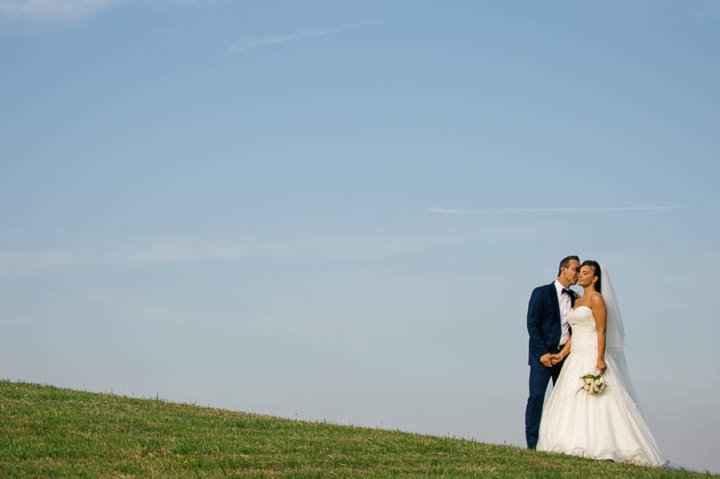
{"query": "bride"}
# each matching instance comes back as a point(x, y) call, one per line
point(607, 425)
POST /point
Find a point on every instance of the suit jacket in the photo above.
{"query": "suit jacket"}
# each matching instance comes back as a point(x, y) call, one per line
point(543, 322)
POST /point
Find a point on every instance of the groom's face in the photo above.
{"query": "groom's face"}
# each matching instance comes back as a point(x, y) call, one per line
point(570, 274)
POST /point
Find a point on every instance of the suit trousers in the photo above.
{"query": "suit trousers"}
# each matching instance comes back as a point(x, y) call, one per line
point(539, 378)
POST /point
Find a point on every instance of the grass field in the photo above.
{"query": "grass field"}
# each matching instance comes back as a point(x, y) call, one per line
point(51, 432)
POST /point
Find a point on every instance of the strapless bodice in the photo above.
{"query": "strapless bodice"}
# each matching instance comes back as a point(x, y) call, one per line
point(584, 332)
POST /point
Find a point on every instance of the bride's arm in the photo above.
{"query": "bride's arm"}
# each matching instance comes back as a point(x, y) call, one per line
point(600, 314)
point(565, 350)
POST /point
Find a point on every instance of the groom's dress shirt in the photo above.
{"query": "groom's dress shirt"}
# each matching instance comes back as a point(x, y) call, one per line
point(565, 307)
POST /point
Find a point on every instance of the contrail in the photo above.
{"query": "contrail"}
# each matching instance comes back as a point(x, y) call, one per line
point(243, 45)
point(451, 211)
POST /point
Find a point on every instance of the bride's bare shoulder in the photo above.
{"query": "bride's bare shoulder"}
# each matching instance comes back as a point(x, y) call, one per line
point(596, 300)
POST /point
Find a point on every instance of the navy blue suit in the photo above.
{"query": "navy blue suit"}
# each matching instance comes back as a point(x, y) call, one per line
point(544, 328)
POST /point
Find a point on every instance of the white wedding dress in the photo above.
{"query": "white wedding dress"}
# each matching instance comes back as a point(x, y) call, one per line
point(608, 425)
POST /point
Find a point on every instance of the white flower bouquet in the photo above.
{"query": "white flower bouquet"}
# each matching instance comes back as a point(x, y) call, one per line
point(593, 384)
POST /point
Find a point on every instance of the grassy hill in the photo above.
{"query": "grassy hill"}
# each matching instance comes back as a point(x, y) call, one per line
point(51, 432)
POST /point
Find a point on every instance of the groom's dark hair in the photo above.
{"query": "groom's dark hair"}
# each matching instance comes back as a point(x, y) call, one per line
point(565, 263)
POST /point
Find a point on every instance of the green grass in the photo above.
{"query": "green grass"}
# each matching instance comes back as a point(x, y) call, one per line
point(51, 432)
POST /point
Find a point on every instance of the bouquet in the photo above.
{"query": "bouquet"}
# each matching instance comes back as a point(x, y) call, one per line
point(592, 384)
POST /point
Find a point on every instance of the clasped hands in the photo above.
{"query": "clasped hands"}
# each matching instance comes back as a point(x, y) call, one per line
point(549, 360)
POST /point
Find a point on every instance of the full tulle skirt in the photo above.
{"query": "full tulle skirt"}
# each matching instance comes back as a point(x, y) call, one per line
point(607, 426)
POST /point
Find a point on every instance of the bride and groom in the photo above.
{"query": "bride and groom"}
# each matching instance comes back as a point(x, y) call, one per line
point(573, 336)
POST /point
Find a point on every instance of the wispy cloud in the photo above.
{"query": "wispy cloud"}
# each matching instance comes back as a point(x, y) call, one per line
point(12, 262)
point(187, 249)
point(451, 211)
point(247, 44)
point(48, 9)
point(169, 250)
point(172, 250)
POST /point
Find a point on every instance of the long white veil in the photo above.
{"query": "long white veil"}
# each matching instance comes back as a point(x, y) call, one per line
point(615, 348)
point(615, 333)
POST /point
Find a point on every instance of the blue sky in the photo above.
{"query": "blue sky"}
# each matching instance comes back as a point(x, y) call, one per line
point(337, 210)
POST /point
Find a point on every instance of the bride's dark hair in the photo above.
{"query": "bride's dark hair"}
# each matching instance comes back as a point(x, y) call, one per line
point(596, 268)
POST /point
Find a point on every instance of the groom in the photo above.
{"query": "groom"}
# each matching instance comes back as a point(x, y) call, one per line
point(549, 331)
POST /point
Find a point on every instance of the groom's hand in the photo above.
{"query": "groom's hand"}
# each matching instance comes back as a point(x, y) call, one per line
point(546, 360)
point(556, 358)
